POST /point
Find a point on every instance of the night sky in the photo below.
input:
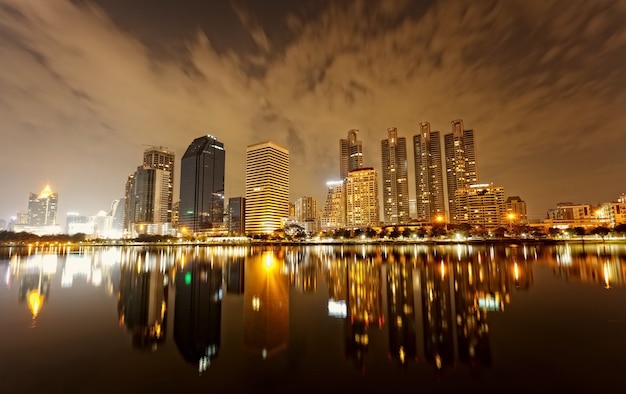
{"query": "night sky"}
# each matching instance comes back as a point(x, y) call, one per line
point(86, 86)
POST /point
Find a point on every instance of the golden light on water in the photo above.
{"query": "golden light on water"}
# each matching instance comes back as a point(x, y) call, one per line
point(35, 301)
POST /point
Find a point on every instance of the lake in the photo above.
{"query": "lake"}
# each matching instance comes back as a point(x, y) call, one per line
point(319, 318)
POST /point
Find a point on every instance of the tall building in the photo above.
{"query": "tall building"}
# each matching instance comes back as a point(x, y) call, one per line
point(395, 178)
point(42, 208)
point(267, 187)
point(149, 200)
point(202, 186)
point(163, 159)
point(362, 208)
point(429, 187)
point(236, 215)
point(461, 169)
point(350, 154)
point(481, 205)
point(334, 214)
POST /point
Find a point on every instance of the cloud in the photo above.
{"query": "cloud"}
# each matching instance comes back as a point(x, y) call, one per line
point(542, 85)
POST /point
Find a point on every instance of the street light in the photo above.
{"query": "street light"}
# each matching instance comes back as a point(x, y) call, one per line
point(511, 216)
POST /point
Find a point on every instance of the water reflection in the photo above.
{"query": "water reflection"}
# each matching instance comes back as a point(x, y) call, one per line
point(419, 303)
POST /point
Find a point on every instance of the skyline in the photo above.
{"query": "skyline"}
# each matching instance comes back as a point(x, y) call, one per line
point(86, 85)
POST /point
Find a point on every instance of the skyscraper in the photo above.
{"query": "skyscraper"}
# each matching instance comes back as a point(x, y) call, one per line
point(350, 154)
point(202, 185)
point(267, 187)
point(42, 208)
point(395, 178)
point(428, 175)
point(236, 215)
point(306, 213)
point(362, 208)
point(461, 169)
point(162, 159)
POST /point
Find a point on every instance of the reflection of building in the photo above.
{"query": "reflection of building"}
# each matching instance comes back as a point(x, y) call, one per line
point(266, 304)
point(350, 154)
point(428, 174)
point(334, 215)
point(198, 312)
point(437, 307)
point(364, 307)
point(142, 301)
point(202, 172)
point(461, 169)
point(401, 312)
point(267, 187)
point(395, 178)
point(362, 208)
point(235, 280)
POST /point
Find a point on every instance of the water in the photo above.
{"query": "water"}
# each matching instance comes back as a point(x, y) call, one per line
point(309, 319)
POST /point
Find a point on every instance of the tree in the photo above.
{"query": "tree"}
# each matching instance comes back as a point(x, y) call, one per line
point(601, 231)
point(438, 230)
point(499, 232)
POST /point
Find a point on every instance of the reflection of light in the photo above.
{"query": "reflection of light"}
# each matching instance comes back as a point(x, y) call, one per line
point(438, 361)
point(35, 300)
point(256, 303)
point(337, 308)
point(443, 270)
point(606, 277)
point(516, 271)
point(401, 354)
point(268, 259)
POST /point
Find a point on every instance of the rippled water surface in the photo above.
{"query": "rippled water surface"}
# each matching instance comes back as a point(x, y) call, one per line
point(313, 319)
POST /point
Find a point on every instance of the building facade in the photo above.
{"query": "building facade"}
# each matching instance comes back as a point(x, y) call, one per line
point(163, 159)
point(350, 153)
point(42, 208)
point(201, 207)
point(306, 213)
point(236, 215)
point(461, 169)
point(429, 186)
point(362, 206)
point(516, 210)
point(334, 214)
point(481, 205)
point(267, 187)
point(395, 178)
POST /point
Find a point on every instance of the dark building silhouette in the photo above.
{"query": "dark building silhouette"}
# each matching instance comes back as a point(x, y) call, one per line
point(202, 185)
point(198, 313)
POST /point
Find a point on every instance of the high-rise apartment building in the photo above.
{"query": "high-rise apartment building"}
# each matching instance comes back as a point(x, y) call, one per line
point(362, 208)
point(481, 205)
point(42, 208)
point(395, 178)
point(461, 169)
point(429, 186)
point(162, 159)
point(202, 170)
point(267, 187)
point(350, 154)
point(334, 214)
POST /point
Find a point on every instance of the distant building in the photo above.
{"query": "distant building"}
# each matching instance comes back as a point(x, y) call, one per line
point(42, 208)
point(516, 210)
point(236, 216)
point(334, 213)
point(163, 159)
point(148, 202)
point(267, 187)
point(570, 215)
point(461, 169)
point(350, 154)
point(429, 186)
point(202, 186)
point(481, 205)
point(395, 178)
point(306, 213)
point(362, 207)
